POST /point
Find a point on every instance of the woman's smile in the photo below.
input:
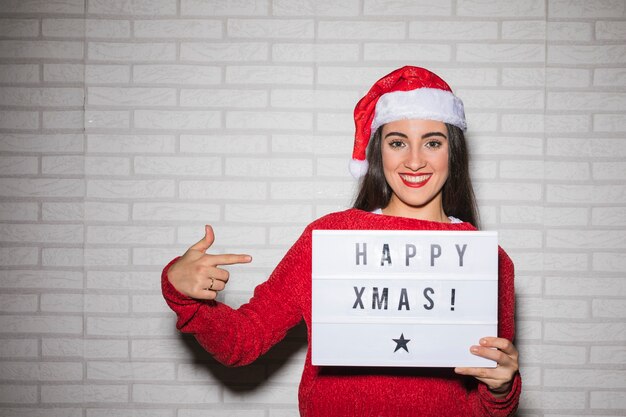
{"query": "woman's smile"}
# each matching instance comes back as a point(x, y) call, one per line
point(414, 180)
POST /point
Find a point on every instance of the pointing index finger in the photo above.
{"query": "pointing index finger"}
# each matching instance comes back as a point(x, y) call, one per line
point(231, 259)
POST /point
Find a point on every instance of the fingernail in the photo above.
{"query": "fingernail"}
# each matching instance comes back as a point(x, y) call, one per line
point(474, 349)
point(483, 341)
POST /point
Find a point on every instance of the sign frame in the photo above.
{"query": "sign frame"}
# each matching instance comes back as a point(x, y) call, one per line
point(408, 298)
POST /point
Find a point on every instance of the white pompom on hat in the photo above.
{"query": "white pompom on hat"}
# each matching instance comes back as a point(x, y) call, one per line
point(406, 93)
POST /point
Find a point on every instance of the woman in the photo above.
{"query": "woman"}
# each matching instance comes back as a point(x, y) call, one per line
point(415, 178)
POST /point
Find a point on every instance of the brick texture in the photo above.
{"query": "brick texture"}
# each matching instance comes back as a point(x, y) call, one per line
point(126, 125)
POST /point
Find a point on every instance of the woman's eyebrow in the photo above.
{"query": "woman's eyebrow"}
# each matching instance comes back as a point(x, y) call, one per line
point(430, 134)
point(424, 136)
point(396, 134)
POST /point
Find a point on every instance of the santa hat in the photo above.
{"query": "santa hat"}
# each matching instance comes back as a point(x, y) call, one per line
point(406, 93)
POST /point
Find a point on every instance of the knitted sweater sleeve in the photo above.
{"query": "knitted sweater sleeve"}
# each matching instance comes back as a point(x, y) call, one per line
point(483, 403)
point(237, 337)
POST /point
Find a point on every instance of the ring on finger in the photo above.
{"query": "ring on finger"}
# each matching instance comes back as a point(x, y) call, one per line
point(210, 287)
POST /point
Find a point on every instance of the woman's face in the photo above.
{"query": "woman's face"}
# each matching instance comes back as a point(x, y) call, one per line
point(415, 164)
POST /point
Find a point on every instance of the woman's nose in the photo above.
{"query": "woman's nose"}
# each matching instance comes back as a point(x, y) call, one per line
point(414, 160)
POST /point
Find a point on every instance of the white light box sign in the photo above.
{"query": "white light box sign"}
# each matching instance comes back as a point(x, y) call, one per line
point(403, 298)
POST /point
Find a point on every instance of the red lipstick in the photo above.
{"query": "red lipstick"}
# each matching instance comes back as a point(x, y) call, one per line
point(415, 180)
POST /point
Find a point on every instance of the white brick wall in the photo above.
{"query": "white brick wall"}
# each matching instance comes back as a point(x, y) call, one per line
point(126, 125)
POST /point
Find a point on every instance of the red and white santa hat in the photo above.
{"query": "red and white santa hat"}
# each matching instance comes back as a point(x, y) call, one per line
point(406, 93)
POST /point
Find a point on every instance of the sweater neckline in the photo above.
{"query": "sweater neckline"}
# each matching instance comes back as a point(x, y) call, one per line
point(452, 219)
point(409, 220)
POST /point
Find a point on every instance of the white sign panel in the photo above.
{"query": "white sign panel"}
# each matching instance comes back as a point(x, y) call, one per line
point(403, 298)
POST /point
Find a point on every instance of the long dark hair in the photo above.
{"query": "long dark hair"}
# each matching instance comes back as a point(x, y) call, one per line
point(457, 193)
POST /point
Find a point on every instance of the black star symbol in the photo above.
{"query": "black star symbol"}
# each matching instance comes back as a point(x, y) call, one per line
point(401, 343)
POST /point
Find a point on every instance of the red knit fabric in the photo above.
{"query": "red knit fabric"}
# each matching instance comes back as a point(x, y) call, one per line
point(238, 337)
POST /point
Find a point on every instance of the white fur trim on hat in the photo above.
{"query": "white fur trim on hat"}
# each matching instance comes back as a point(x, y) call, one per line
point(358, 168)
point(422, 103)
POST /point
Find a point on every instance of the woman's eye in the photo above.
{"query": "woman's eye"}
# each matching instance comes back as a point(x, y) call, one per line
point(433, 144)
point(396, 144)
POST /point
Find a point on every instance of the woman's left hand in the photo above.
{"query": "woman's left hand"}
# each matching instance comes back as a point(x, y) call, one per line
point(500, 378)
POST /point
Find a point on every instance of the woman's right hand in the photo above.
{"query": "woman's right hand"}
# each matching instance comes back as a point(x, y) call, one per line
point(197, 274)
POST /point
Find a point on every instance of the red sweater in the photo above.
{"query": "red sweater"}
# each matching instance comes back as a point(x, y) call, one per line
point(238, 337)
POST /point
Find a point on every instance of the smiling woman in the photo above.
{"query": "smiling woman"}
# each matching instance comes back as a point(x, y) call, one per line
point(456, 195)
point(415, 164)
point(410, 152)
